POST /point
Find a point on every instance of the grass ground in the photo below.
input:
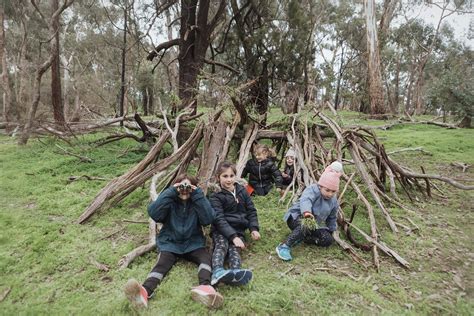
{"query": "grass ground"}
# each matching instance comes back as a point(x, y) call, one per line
point(48, 264)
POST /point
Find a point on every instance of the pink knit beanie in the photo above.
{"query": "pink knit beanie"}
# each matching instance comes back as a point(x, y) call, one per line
point(330, 176)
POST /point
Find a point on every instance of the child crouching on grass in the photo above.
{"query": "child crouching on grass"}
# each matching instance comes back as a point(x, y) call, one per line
point(318, 202)
point(235, 212)
point(262, 171)
point(183, 210)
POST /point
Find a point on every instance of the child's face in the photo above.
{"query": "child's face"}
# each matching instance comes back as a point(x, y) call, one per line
point(227, 179)
point(184, 195)
point(261, 155)
point(326, 193)
point(290, 160)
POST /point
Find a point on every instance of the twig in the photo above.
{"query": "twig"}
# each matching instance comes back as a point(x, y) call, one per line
point(4, 294)
point(98, 265)
point(134, 221)
point(383, 247)
point(75, 178)
point(110, 235)
point(81, 158)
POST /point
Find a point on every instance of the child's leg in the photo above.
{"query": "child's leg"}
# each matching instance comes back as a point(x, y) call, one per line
point(202, 258)
point(297, 234)
point(204, 293)
point(234, 257)
point(322, 237)
point(166, 260)
point(221, 246)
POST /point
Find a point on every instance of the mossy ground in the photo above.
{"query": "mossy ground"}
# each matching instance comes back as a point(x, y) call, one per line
point(47, 260)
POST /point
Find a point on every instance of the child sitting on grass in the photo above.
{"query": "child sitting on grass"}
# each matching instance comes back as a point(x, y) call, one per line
point(318, 202)
point(262, 171)
point(289, 169)
point(183, 210)
point(235, 212)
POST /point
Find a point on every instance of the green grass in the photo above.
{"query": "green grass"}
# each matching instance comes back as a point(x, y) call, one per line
point(46, 259)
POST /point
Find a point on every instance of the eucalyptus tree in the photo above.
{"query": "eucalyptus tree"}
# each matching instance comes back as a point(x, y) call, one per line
point(198, 19)
point(448, 90)
point(376, 94)
point(7, 94)
point(41, 68)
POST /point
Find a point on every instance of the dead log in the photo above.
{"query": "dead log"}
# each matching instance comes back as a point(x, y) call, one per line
point(246, 147)
point(120, 187)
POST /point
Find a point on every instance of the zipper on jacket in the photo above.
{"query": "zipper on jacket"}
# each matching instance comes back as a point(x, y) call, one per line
point(260, 174)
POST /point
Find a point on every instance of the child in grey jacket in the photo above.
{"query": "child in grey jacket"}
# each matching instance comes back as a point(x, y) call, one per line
point(318, 202)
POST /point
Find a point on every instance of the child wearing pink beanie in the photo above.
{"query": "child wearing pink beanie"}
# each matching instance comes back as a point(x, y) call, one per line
point(330, 177)
point(318, 201)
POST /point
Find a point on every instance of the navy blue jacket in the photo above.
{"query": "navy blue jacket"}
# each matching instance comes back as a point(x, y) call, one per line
point(233, 217)
point(182, 220)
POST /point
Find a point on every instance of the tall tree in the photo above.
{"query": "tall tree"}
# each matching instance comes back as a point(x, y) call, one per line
point(41, 69)
point(194, 39)
point(376, 95)
point(7, 93)
point(56, 92)
point(123, 84)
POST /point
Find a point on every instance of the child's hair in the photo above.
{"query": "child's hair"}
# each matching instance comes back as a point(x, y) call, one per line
point(182, 176)
point(265, 149)
point(223, 166)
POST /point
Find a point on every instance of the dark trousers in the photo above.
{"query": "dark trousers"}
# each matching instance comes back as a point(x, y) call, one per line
point(259, 190)
point(166, 260)
point(321, 237)
point(223, 248)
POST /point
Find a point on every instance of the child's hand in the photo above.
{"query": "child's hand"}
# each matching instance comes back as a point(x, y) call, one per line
point(238, 243)
point(284, 175)
point(308, 214)
point(255, 235)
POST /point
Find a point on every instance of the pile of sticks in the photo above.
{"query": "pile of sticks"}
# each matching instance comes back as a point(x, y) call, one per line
point(370, 173)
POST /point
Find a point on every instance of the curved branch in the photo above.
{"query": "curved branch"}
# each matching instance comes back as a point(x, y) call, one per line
point(164, 45)
point(213, 62)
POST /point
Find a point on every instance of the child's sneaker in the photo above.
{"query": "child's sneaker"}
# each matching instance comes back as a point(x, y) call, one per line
point(136, 294)
point(283, 251)
point(222, 275)
point(207, 295)
point(241, 277)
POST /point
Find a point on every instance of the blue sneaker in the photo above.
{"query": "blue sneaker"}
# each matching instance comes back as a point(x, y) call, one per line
point(222, 275)
point(283, 251)
point(241, 277)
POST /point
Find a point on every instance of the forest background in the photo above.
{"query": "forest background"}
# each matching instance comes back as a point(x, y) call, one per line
point(77, 74)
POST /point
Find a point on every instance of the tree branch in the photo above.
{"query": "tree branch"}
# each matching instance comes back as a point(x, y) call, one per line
point(164, 45)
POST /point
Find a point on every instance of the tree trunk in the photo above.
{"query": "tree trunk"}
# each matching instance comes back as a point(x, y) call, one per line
point(34, 106)
point(7, 93)
point(376, 96)
point(172, 66)
point(465, 122)
point(145, 101)
point(339, 78)
point(56, 94)
point(22, 95)
point(124, 55)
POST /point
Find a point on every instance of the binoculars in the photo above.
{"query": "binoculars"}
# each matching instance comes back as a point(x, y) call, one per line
point(185, 188)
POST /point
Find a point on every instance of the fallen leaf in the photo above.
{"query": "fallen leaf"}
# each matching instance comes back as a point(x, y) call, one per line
point(375, 288)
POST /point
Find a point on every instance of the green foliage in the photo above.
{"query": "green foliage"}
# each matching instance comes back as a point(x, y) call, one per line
point(452, 88)
point(46, 259)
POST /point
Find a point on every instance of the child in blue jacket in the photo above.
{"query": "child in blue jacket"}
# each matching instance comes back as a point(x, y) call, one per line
point(319, 202)
point(235, 213)
point(183, 210)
